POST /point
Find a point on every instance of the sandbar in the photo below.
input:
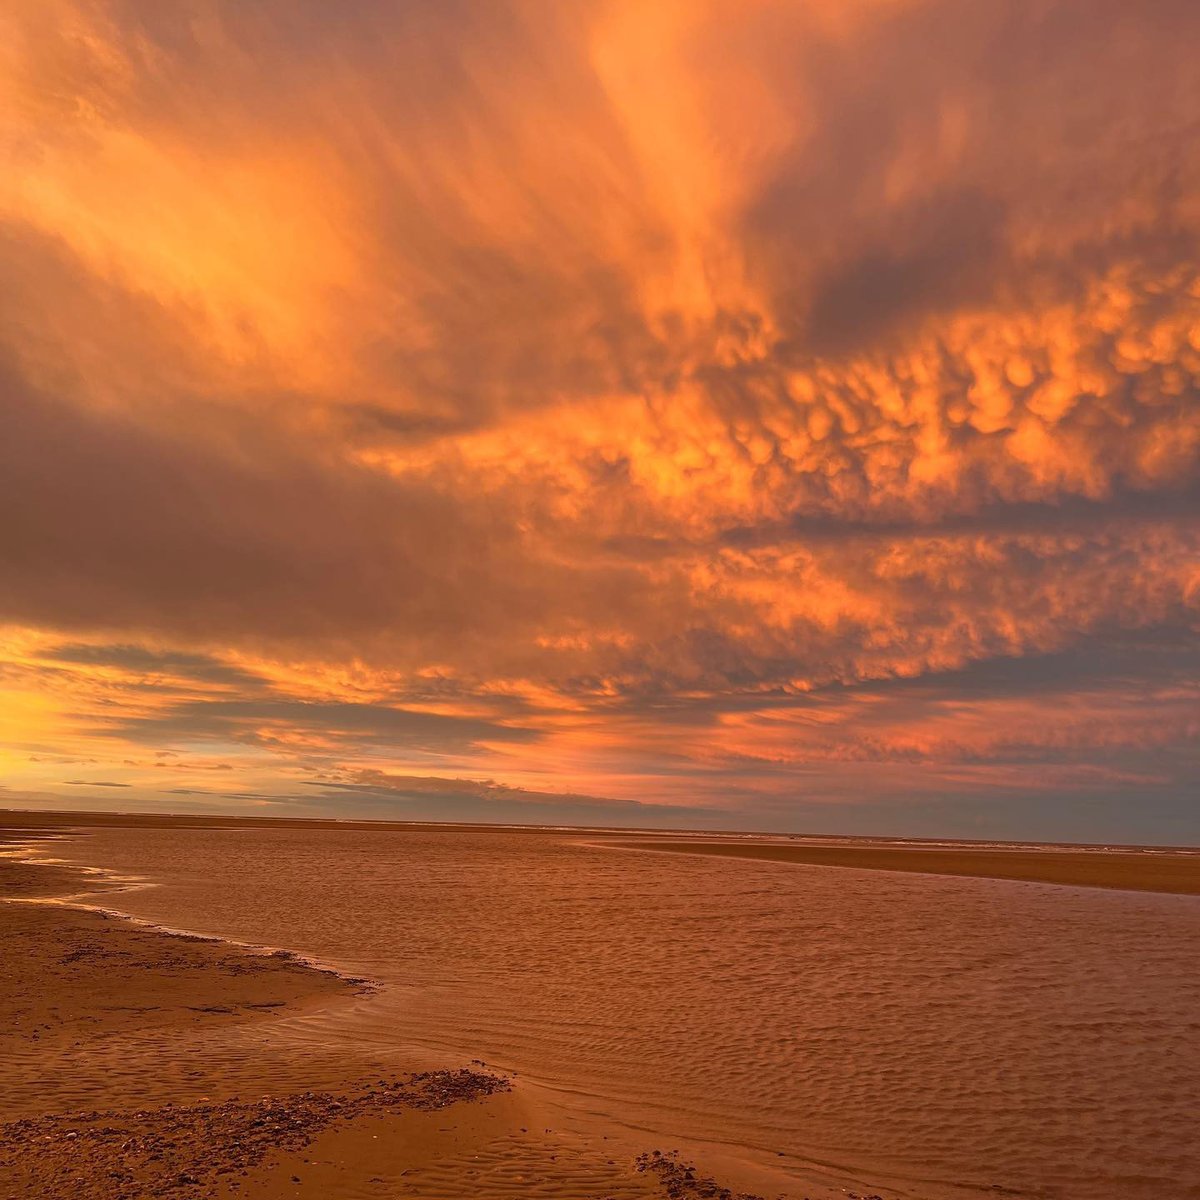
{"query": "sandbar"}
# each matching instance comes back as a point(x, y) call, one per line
point(1166, 870)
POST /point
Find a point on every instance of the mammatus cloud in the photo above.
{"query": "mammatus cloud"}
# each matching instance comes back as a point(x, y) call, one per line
point(781, 411)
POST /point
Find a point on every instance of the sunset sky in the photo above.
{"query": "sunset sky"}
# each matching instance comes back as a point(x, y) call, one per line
point(749, 415)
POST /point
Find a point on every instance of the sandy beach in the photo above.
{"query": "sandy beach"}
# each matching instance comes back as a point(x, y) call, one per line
point(83, 988)
point(75, 981)
point(141, 1062)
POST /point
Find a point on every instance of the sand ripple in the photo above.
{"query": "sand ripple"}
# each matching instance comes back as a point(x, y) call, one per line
point(941, 1035)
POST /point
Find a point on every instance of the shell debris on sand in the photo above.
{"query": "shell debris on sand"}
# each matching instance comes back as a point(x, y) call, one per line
point(187, 1150)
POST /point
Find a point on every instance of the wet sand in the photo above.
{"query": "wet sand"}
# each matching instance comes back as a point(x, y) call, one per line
point(190, 1091)
point(73, 973)
point(76, 980)
point(80, 986)
point(1175, 872)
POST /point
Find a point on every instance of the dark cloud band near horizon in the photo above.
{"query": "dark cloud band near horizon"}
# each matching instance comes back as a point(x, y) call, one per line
point(774, 415)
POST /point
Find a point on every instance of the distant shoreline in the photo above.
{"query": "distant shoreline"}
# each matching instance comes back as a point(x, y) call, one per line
point(1176, 872)
point(32, 818)
point(1173, 870)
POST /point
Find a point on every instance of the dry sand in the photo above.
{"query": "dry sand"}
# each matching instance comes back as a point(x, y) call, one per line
point(80, 987)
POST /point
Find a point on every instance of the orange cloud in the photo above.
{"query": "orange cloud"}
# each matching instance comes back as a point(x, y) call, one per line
point(599, 400)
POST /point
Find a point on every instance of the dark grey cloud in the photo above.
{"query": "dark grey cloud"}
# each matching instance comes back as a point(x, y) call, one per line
point(1175, 506)
point(252, 720)
point(379, 795)
point(1035, 178)
point(140, 659)
point(157, 530)
point(943, 262)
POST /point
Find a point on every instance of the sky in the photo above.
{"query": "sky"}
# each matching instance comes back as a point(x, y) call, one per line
point(745, 414)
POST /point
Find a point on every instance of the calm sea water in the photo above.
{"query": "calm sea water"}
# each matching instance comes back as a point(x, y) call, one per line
point(940, 1036)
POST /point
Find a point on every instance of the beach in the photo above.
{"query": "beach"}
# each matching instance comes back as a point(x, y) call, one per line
point(210, 1007)
point(84, 987)
point(75, 981)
